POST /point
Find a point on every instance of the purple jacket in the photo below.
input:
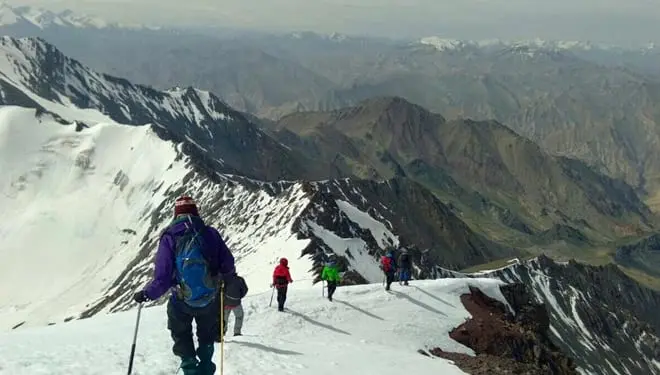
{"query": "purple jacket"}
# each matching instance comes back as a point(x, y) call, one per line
point(216, 253)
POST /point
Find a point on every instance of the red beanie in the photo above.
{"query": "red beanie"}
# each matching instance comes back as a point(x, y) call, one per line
point(185, 205)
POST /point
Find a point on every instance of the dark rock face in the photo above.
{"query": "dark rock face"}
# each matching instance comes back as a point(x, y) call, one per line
point(604, 320)
point(516, 342)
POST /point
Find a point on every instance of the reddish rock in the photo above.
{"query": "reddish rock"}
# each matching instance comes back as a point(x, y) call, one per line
point(506, 343)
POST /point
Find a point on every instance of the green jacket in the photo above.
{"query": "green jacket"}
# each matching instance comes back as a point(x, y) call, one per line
point(330, 274)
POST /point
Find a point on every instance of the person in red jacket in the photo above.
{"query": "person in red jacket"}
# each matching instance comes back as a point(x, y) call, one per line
point(281, 280)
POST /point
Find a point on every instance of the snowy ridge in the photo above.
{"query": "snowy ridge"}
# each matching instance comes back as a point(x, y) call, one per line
point(364, 331)
point(123, 203)
point(118, 205)
point(597, 313)
point(43, 18)
point(22, 63)
point(189, 113)
point(446, 44)
point(35, 74)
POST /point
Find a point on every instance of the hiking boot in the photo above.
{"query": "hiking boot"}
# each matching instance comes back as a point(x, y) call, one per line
point(206, 365)
point(189, 366)
point(237, 334)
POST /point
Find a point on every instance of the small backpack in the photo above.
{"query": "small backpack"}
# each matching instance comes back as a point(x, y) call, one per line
point(387, 263)
point(198, 288)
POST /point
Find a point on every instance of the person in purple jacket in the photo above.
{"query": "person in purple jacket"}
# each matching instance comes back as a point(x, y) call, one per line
point(192, 260)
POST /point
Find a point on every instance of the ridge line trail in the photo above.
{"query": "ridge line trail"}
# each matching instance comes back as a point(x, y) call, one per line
point(365, 330)
point(363, 327)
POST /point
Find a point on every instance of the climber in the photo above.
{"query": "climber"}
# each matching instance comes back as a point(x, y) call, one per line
point(331, 276)
point(404, 267)
point(186, 244)
point(388, 265)
point(281, 281)
point(235, 290)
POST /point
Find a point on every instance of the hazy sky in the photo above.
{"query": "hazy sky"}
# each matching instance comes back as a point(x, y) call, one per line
point(603, 20)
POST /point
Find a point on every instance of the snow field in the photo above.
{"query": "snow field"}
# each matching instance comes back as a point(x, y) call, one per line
point(364, 331)
point(70, 195)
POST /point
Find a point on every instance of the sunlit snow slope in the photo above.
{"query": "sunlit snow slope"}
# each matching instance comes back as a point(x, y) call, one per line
point(87, 205)
point(364, 331)
point(77, 199)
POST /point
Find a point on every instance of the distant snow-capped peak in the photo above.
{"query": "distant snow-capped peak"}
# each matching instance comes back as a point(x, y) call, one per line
point(43, 18)
point(445, 44)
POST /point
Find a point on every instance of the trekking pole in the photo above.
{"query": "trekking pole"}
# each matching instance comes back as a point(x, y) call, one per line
point(222, 327)
point(323, 288)
point(137, 324)
point(271, 297)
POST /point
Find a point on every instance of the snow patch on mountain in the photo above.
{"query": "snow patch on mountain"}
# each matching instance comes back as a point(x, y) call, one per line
point(383, 236)
point(76, 199)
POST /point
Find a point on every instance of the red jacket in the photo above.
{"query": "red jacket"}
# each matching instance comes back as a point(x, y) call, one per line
point(281, 275)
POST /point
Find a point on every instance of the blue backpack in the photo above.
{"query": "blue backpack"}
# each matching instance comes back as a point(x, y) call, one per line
point(197, 286)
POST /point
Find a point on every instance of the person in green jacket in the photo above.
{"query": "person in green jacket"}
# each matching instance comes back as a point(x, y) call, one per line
point(331, 275)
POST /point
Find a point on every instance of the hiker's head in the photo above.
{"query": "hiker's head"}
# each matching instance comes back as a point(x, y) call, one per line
point(185, 206)
point(284, 262)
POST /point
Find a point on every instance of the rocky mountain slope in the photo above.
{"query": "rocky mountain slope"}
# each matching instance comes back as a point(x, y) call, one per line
point(33, 71)
point(598, 316)
point(553, 97)
point(478, 166)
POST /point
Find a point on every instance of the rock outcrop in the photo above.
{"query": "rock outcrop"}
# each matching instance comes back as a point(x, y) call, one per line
point(606, 321)
point(505, 341)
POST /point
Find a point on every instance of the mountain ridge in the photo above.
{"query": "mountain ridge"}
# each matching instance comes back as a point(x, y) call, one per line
point(388, 136)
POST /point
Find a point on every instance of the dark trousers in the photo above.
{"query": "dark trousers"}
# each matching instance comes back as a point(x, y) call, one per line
point(281, 296)
point(332, 286)
point(179, 322)
point(404, 275)
point(389, 278)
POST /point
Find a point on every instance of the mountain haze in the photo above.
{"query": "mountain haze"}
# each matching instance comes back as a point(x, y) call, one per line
point(594, 103)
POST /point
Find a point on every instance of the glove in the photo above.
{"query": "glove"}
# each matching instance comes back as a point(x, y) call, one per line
point(140, 297)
